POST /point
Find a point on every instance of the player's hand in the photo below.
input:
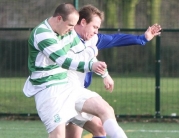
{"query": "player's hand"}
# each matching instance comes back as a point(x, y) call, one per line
point(152, 31)
point(99, 67)
point(108, 83)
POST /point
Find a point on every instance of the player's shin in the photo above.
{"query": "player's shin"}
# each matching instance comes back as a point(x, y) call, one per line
point(113, 130)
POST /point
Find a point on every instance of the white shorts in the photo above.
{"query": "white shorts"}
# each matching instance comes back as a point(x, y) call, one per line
point(59, 103)
point(80, 120)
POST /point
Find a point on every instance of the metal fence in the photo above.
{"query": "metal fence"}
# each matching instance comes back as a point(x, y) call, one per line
point(146, 78)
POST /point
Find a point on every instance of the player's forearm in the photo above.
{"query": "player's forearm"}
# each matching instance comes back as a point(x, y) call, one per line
point(81, 62)
point(69, 60)
point(118, 40)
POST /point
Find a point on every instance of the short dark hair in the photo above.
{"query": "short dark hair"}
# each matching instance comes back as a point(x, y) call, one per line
point(87, 12)
point(64, 10)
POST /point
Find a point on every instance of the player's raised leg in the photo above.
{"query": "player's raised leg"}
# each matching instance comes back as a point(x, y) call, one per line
point(73, 129)
point(100, 108)
point(58, 132)
point(95, 126)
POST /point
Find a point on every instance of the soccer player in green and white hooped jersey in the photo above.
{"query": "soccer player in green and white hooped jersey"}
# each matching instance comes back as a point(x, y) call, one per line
point(56, 99)
point(48, 45)
point(44, 66)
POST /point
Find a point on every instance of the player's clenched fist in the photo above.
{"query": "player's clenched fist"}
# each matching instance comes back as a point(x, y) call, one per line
point(108, 83)
point(99, 67)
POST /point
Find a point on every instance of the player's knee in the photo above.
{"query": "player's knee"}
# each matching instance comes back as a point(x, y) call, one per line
point(98, 130)
point(111, 109)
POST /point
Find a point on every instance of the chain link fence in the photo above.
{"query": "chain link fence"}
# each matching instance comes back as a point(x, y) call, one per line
point(146, 77)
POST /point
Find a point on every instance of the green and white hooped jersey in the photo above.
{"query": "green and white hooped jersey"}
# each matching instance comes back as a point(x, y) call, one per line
point(48, 56)
point(78, 78)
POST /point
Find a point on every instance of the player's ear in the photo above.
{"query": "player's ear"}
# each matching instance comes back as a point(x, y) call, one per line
point(83, 22)
point(59, 18)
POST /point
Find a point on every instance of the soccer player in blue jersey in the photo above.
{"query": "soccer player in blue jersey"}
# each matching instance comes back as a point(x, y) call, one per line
point(87, 29)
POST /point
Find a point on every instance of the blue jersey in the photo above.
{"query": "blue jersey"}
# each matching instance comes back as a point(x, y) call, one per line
point(114, 40)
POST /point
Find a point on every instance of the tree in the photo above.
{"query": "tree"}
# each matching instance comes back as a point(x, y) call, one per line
point(129, 8)
point(154, 14)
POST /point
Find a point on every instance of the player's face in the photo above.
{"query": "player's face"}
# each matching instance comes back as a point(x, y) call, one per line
point(64, 27)
point(91, 28)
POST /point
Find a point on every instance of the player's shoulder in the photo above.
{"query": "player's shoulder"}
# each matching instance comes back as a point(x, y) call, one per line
point(93, 41)
point(42, 28)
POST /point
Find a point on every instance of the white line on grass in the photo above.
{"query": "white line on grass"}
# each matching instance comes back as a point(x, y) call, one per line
point(17, 128)
point(142, 130)
point(156, 131)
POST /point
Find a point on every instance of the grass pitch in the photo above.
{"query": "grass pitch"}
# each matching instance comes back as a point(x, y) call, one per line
point(35, 129)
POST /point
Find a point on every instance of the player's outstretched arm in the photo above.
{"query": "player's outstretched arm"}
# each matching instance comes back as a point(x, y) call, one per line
point(152, 31)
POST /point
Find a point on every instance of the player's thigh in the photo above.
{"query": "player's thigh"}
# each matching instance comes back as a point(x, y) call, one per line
point(58, 132)
point(81, 119)
point(73, 131)
point(90, 102)
point(82, 95)
point(97, 106)
point(95, 127)
point(93, 124)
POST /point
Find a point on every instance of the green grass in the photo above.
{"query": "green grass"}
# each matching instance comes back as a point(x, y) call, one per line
point(131, 95)
point(22, 129)
point(136, 95)
point(12, 99)
point(35, 129)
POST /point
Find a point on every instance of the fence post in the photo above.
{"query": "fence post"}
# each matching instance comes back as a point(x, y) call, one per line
point(157, 79)
point(75, 3)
